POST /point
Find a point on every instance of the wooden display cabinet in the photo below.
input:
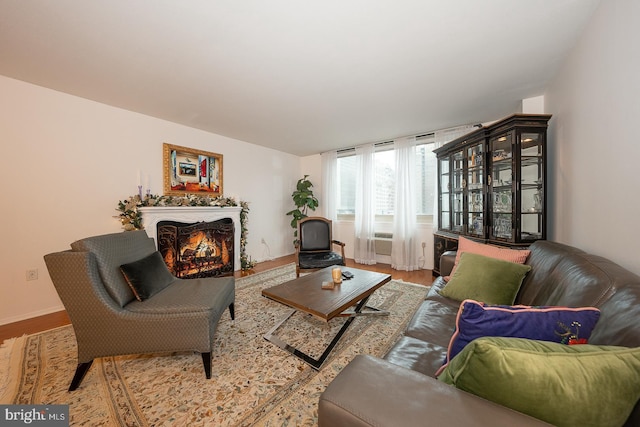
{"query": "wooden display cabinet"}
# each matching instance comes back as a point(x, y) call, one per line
point(492, 184)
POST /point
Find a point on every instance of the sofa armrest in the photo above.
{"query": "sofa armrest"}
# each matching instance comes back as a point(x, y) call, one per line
point(373, 392)
point(447, 260)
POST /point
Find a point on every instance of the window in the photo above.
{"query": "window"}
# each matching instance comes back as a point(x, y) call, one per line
point(385, 180)
point(347, 185)
point(385, 170)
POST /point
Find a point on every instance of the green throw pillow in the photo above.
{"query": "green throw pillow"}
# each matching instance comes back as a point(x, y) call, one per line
point(577, 385)
point(489, 280)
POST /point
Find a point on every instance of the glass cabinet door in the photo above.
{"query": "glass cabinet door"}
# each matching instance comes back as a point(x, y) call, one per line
point(457, 191)
point(501, 188)
point(444, 219)
point(531, 185)
point(475, 190)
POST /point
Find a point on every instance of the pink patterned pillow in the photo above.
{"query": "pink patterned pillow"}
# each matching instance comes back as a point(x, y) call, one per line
point(512, 255)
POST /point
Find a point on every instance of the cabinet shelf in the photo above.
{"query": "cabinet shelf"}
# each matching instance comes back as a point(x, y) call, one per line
point(534, 186)
point(502, 165)
point(530, 161)
point(497, 188)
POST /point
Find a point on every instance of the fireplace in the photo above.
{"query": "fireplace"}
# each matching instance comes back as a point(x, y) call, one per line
point(202, 249)
point(151, 216)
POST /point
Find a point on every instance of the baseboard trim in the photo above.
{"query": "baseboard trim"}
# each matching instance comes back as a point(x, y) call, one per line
point(31, 315)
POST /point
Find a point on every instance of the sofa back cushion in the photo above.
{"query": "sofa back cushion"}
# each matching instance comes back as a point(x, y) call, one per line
point(544, 257)
point(563, 275)
point(113, 250)
point(566, 276)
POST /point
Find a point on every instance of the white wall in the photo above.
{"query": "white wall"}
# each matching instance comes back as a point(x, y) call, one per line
point(66, 163)
point(594, 150)
point(534, 105)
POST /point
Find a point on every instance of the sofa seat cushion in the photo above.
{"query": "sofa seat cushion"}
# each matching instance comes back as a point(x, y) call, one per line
point(433, 322)
point(147, 276)
point(417, 355)
point(190, 296)
point(319, 259)
point(372, 392)
point(485, 279)
point(562, 385)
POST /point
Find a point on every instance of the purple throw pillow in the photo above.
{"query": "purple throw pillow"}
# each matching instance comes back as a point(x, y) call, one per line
point(557, 324)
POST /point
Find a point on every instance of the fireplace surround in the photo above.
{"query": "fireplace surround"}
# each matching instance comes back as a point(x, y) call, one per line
point(151, 216)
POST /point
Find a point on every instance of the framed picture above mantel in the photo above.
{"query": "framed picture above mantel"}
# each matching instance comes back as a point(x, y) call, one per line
point(191, 171)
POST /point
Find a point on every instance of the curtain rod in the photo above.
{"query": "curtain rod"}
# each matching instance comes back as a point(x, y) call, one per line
point(420, 135)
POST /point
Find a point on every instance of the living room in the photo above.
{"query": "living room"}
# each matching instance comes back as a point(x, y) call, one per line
point(79, 157)
point(84, 156)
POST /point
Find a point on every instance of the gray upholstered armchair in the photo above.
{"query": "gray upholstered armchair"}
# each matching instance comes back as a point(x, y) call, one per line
point(112, 316)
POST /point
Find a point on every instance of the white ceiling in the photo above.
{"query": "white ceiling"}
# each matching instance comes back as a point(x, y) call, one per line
point(298, 76)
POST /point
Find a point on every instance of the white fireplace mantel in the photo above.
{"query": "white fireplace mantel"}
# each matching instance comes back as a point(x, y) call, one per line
point(190, 214)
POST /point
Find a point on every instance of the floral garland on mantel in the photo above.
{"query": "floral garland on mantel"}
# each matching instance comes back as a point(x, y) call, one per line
point(131, 219)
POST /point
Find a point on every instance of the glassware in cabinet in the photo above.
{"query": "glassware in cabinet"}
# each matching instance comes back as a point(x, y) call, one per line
point(457, 192)
point(475, 190)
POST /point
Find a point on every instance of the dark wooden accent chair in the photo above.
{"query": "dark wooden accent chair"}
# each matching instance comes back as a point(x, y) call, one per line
point(314, 245)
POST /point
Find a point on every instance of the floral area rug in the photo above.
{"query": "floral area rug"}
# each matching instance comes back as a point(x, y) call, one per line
point(254, 383)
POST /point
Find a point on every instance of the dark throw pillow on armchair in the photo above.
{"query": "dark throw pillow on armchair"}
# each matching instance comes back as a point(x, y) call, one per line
point(147, 276)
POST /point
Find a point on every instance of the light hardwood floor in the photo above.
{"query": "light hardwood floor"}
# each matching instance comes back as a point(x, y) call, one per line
point(60, 318)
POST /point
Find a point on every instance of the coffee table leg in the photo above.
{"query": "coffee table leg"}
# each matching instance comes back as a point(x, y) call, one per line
point(317, 363)
point(370, 311)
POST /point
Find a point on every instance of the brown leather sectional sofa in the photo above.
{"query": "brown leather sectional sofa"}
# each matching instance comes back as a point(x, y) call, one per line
point(400, 390)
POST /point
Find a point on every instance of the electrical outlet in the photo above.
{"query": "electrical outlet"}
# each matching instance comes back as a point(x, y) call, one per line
point(32, 274)
point(424, 245)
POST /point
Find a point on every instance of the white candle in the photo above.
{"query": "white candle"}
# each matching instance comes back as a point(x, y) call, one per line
point(139, 181)
point(146, 183)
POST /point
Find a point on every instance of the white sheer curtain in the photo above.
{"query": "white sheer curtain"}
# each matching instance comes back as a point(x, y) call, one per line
point(365, 215)
point(329, 205)
point(404, 254)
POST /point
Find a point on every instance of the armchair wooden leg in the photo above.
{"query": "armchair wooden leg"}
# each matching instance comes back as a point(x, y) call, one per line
point(206, 360)
point(81, 371)
point(232, 311)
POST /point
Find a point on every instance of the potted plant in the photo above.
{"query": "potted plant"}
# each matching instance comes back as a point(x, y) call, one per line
point(304, 200)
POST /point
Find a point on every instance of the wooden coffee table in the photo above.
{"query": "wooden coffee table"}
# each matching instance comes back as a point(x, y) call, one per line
point(305, 294)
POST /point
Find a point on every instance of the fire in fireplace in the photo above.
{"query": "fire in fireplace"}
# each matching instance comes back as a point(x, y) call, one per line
point(202, 249)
